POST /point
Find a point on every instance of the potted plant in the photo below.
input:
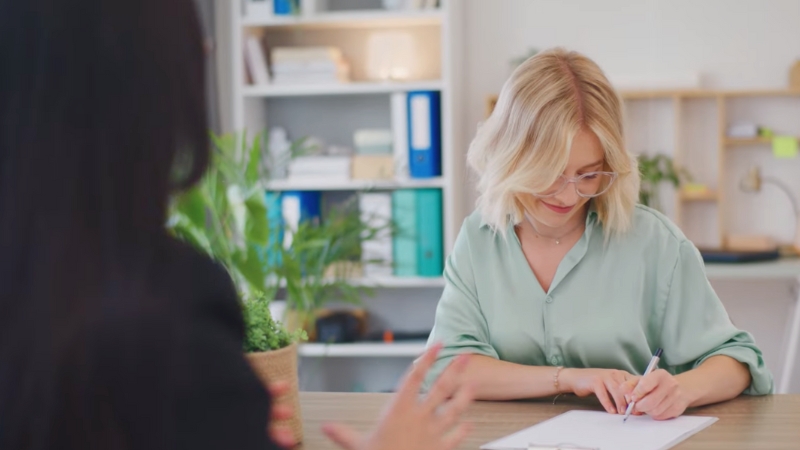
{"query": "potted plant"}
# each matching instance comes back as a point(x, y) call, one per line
point(225, 215)
point(655, 170)
point(272, 353)
point(322, 263)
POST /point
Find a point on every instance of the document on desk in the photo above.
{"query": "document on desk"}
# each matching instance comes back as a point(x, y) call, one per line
point(603, 431)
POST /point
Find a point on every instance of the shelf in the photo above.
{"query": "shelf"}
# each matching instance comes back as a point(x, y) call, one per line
point(741, 142)
point(702, 196)
point(393, 282)
point(787, 268)
point(701, 93)
point(667, 94)
point(762, 93)
point(355, 185)
point(349, 19)
point(404, 349)
point(401, 282)
point(735, 142)
point(352, 88)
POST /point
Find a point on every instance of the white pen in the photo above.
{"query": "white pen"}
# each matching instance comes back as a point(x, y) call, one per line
point(650, 367)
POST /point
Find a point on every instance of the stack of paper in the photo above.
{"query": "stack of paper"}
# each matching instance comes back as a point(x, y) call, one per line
point(318, 168)
point(308, 65)
point(600, 430)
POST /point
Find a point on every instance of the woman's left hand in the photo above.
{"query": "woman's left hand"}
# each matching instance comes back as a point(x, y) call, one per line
point(659, 395)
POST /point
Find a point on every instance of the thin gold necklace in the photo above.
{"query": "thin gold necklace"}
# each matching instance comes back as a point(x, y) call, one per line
point(556, 240)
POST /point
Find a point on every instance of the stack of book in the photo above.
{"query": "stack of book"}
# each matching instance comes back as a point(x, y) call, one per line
point(320, 168)
point(308, 65)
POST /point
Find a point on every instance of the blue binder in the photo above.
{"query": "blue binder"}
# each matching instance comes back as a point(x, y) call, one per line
point(285, 7)
point(424, 134)
point(300, 206)
point(275, 221)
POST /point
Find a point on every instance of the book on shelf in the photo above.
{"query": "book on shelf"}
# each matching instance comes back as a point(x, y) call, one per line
point(399, 114)
point(429, 230)
point(417, 245)
point(308, 65)
point(410, 5)
point(370, 141)
point(373, 167)
point(309, 79)
point(405, 241)
point(375, 209)
point(305, 53)
point(256, 61)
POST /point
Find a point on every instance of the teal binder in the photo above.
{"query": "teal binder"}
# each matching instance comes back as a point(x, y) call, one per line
point(405, 247)
point(429, 230)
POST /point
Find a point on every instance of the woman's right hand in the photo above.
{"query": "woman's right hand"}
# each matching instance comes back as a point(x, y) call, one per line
point(606, 384)
point(430, 422)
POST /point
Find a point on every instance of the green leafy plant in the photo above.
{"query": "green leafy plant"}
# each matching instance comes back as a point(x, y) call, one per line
point(320, 263)
point(262, 332)
point(226, 216)
point(655, 170)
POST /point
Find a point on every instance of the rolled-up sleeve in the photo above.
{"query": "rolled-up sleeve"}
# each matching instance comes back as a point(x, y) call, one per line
point(697, 327)
point(459, 324)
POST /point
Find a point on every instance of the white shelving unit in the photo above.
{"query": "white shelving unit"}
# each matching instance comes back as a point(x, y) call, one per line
point(258, 107)
point(391, 282)
point(348, 19)
point(352, 88)
point(339, 109)
point(410, 349)
point(356, 185)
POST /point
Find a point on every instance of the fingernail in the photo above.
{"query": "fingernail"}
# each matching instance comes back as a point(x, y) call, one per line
point(628, 398)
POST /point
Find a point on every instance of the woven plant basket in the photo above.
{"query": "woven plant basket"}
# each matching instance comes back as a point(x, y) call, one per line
point(281, 365)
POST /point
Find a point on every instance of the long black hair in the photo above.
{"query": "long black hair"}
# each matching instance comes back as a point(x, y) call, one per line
point(102, 115)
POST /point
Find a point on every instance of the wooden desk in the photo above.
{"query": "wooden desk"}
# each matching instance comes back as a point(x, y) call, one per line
point(746, 423)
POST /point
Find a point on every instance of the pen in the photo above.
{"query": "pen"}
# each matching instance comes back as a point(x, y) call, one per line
point(650, 367)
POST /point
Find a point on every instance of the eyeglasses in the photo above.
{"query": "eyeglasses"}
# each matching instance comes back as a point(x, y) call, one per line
point(587, 185)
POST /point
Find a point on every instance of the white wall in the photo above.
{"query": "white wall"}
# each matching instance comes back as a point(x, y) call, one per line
point(733, 44)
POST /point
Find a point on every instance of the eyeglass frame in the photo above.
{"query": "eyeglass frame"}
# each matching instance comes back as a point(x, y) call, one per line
point(575, 181)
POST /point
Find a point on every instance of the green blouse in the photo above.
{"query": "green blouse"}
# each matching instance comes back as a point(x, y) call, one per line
point(610, 305)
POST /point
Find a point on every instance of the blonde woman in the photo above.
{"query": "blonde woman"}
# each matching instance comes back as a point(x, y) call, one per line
point(561, 283)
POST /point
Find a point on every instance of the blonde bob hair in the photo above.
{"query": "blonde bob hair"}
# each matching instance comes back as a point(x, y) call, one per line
point(523, 147)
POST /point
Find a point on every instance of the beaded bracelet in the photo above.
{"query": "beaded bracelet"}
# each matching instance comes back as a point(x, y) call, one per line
point(555, 379)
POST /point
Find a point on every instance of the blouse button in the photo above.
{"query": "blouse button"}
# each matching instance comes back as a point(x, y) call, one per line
point(549, 299)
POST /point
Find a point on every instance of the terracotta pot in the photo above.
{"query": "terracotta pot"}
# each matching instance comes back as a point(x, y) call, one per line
point(281, 365)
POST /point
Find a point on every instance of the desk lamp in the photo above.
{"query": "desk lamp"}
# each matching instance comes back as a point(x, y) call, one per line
point(753, 181)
